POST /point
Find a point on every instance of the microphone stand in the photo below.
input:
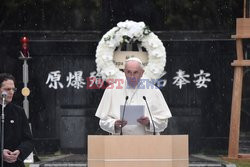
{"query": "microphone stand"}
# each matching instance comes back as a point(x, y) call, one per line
point(123, 113)
point(150, 114)
point(2, 130)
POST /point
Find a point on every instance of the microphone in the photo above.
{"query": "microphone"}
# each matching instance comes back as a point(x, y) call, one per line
point(144, 98)
point(126, 99)
point(4, 94)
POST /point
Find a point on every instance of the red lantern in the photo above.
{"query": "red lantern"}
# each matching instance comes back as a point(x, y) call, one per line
point(25, 46)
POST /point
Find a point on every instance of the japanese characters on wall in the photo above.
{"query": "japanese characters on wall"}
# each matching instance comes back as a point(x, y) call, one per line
point(76, 80)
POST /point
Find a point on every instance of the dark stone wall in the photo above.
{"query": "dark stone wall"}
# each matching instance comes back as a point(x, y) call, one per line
point(202, 113)
point(65, 116)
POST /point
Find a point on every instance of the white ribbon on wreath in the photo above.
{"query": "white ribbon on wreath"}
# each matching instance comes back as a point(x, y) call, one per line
point(129, 32)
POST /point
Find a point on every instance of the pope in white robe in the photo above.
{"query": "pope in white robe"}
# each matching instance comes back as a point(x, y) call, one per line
point(134, 88)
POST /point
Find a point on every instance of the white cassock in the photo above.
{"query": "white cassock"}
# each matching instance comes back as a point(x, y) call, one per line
point(114, 96)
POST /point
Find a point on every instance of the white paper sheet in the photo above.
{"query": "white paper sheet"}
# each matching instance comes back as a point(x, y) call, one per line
point(132, 113)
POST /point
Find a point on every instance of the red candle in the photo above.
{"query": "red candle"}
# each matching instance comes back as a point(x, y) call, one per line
point(25, 46)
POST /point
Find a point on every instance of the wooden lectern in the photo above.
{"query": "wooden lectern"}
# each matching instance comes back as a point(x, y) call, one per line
point(138, 151)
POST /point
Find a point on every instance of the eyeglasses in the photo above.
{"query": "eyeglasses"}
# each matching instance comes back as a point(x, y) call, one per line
point(10, 89)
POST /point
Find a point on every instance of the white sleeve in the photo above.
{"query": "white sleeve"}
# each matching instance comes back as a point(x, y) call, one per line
point(160, 112)
point(103, 112)
point(160, 125)
point(108, 124)
point(104, 105)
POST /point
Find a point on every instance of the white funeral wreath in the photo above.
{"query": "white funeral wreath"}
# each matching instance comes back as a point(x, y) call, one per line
point(129, 32)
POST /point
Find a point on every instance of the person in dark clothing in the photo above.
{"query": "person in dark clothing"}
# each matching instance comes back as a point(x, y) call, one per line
point(18, 142)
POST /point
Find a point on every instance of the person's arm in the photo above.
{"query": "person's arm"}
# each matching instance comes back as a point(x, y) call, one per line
point(26, 146)
point(160, 125)
point(108, 124)
point(112, 125)
point(160, 112)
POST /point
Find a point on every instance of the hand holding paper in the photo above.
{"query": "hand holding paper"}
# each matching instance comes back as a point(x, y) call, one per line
point(120, 123)
point(144, 121)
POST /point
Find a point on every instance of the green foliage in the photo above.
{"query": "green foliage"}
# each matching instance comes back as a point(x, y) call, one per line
point(89, 14)
point(200, 14)
point(49, 15)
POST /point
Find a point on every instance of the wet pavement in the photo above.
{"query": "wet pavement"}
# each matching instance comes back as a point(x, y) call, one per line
point(80, 160)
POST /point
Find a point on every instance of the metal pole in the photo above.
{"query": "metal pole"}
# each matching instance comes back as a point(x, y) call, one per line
point(25, 91)
point(2, 130)
point(25, 82)
point(25, 57)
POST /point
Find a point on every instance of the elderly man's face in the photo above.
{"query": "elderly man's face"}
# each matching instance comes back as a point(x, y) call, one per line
point(133, 73)
point(8, 86)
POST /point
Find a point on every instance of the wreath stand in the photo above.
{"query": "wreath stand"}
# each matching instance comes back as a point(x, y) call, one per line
point(120, 56)
point(242, 32)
